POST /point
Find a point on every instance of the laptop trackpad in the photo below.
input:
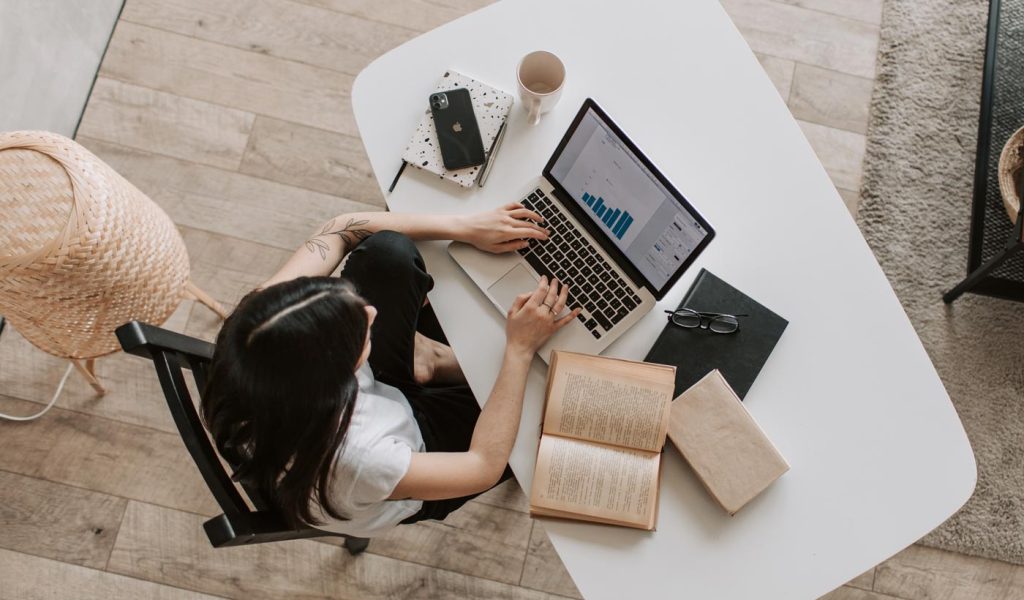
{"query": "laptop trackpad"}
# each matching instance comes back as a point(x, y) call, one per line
point(517, 281)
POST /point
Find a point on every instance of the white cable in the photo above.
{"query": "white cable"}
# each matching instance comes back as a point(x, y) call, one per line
point(53, 401)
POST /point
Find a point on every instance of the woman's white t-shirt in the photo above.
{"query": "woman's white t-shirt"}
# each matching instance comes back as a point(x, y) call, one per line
point(373, 458)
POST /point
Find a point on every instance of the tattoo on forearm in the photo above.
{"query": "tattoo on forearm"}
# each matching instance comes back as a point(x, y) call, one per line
point(351, 234)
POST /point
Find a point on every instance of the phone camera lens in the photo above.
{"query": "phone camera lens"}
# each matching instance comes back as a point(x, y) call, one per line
point(437, 105)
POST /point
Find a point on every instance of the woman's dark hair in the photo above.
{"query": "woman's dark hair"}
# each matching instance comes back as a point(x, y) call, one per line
point(282, 387)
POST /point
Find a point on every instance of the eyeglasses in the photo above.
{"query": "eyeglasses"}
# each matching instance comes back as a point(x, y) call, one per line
point(715, 322)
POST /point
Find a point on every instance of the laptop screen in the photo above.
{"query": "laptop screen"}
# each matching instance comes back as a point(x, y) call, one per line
point(630, 205)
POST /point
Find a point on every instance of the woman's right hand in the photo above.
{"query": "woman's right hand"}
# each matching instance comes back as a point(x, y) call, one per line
point(532, 318)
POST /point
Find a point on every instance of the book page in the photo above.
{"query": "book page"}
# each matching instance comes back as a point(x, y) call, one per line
point(610, 401)
point(582, 478)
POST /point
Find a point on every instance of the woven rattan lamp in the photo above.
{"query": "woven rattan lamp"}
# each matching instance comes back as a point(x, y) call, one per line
point(82, 250)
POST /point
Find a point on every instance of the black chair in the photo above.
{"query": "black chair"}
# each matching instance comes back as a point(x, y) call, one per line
point(171, 353)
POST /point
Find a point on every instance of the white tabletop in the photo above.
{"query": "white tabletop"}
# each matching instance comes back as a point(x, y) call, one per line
point(849, 396)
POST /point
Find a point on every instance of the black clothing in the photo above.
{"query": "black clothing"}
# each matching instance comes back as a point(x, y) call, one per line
point(388, 271)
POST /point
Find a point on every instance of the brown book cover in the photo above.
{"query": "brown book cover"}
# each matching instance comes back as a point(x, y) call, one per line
point(727, 449)
point(605, 424)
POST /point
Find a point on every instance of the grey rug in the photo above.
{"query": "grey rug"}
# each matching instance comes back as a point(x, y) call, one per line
point(915, 213)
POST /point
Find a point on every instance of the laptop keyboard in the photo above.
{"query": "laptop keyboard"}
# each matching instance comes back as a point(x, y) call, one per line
point(568, 256)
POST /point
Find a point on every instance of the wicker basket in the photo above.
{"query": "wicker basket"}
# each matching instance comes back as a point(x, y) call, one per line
point(82, 250)
point(1011, 160)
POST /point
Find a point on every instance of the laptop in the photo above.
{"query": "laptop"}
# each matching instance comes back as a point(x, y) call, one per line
point(620, 236)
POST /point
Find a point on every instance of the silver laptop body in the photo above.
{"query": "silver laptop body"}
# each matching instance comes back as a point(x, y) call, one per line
point(616, 267)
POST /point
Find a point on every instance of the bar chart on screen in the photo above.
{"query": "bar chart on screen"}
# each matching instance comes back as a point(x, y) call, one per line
point(616, 220)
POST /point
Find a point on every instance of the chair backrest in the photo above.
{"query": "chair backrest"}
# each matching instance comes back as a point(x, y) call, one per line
point(172, 353)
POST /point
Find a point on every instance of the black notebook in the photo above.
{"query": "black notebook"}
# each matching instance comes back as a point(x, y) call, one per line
point(739, 356)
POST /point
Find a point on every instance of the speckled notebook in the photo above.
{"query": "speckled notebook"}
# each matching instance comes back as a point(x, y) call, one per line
point(491, 107)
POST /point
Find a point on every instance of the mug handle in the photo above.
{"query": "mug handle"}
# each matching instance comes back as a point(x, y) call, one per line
point(534, 113)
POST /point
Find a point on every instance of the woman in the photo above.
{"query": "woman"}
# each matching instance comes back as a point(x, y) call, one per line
point(328, 397)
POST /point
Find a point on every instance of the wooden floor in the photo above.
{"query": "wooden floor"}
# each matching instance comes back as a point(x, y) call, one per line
point(236, 118)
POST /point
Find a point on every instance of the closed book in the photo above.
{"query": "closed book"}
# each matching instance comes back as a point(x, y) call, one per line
point(739, 356)
point(726, 448)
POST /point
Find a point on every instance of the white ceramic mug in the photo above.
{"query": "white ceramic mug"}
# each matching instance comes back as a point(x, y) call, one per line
point(541, 78)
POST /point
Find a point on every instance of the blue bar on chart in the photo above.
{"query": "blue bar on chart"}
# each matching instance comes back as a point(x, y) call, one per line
point(610, 217)
point(615, 219)
point(624, 222)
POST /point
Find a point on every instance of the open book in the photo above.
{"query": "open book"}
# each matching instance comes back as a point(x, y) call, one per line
point(605, 423)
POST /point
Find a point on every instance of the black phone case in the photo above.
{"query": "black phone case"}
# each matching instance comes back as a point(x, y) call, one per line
point(458, 134)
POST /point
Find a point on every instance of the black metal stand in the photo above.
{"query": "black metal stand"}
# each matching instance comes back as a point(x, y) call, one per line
point(1014, 245)
point(995, 265)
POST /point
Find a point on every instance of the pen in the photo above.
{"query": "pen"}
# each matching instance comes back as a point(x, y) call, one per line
point(494, 150)
point(394, 182)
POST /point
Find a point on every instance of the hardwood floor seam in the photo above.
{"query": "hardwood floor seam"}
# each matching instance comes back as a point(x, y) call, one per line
point(237, 172)
point(115, 573)
point(218, 233)
point(522, 571)
point(138, 23)
point(120, 524)
point(827, 12)
point(118, 496)
point(93, 415)
point(211, 103)
point(349, 14)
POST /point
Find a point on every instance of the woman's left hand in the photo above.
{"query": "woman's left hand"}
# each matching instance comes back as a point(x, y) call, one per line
point(502, 230)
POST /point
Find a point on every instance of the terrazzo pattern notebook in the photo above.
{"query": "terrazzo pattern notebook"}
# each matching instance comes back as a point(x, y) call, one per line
point(491, 107)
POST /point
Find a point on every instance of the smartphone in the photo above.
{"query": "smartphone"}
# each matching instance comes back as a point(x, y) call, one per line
point(458, 134)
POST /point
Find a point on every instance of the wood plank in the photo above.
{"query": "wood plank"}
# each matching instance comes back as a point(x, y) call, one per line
point(841, 153)
point(831, 98)
point(133, 392)
point(104, 456)
point(864, 581)
point(57, 521)
point(869, 11)
point(227, 76)
point(806, 36)
point(847, 592)
point(920, 572)
point(851, 199)
point(506, 495)
point(544, 569)
point(31, 578)
point(225, 202)
point(478, 540)
point(169, 547)
point(780, 71)
point(313, 159)
point(228, 268)
point(278, 28)
point(205, 327)
point(416, 15)
point(166, 123)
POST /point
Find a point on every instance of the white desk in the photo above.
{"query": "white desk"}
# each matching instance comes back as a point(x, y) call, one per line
point(878, 454)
